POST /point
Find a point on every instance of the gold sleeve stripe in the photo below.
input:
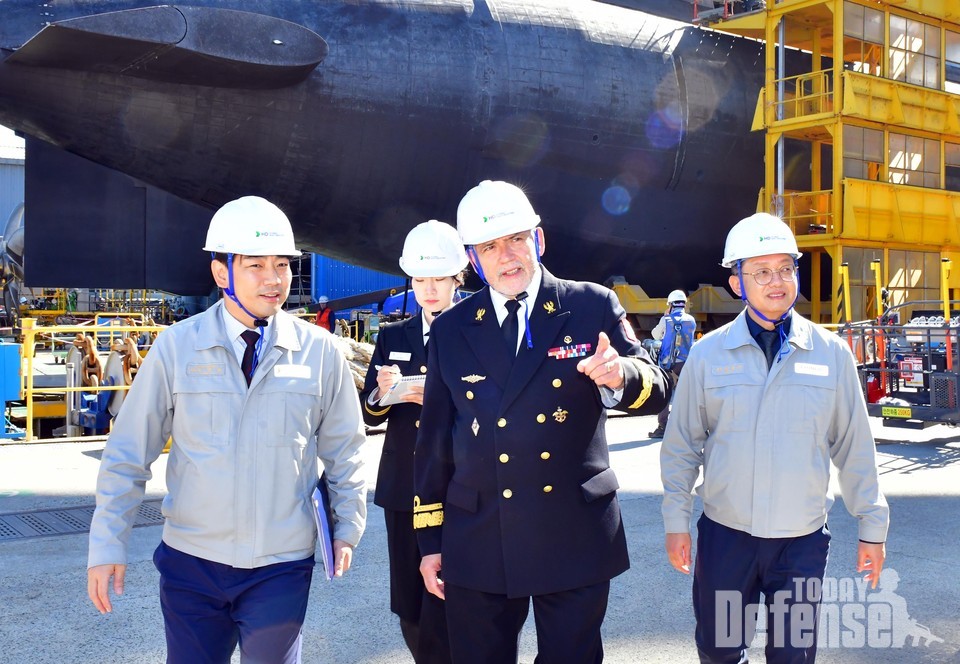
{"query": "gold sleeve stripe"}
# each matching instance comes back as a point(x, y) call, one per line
point(428, 520)
point(375, 413)
point(647, 374)
point(426, 516)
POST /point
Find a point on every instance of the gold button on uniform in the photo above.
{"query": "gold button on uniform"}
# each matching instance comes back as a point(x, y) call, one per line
point(502, 422)
point(423, 369)
point(547, 489)
point(504, 458)
point(557, 382)
point(507, 493)
point(417, 423)
point(469, 394)
point(544, 455)
point(541, 418)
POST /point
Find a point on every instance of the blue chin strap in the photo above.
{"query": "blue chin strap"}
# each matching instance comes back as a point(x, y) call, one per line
point(258, 322)
point(778, 323)
point(521, 297)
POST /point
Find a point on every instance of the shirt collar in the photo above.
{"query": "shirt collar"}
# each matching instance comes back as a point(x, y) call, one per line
point(500, 301)
point(755, 327)
point(235, 328)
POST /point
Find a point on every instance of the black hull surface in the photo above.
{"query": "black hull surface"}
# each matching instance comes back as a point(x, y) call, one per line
point(630, 133)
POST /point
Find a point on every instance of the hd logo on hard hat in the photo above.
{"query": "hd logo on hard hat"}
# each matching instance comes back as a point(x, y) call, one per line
point(772, 237)
point(268, 234)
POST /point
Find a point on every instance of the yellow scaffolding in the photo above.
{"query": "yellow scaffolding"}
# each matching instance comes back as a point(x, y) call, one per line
point(879, 114)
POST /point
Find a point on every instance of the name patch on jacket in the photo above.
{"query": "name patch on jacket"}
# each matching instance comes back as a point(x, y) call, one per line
point(397, 355)
point(812, 369)
point(215, 369)
point(727, 369)
point(291, 371)
point(566, 352)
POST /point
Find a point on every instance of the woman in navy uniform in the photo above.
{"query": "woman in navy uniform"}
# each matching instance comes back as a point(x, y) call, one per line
point(516, 499)
point(434, 258)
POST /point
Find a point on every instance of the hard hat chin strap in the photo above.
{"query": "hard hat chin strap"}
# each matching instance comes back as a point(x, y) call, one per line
point(258, 322)
point(475, 261)
point(778, 323)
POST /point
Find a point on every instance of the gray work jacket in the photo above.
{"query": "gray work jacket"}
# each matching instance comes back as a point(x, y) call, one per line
point(243, 462)
point(765, 439)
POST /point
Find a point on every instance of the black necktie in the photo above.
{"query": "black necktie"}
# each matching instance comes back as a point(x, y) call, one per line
point(769, 341)
point(511, 328)
point(250, 337)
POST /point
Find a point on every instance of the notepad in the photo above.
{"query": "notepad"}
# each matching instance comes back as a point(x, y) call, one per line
point(323, 517)
point(401, 388)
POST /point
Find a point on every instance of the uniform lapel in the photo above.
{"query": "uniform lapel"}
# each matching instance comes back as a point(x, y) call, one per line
point(413, 330)
point(547, 317)
point(484, 338)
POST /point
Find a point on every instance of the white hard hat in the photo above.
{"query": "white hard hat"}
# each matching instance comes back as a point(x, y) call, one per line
point(323, 299)
point(493, 209)
point(760, 234)
point(676, 296)
point(251, 226)
point(433, 249)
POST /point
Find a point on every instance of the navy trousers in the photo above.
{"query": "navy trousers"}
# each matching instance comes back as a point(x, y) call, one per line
point(485, 628)
point(732, 569)
point(208, 608)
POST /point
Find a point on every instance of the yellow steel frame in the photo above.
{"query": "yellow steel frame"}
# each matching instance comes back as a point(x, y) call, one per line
point(815, 106)
point(31, 332)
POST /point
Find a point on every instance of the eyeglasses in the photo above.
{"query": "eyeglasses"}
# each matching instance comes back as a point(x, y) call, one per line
point(763, 276)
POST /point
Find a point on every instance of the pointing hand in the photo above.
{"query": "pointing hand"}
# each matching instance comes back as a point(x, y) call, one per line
point(603, 367)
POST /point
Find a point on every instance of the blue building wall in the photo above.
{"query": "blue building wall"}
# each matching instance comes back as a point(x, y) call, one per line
point(11, 186)
point(337, 279)
point(11, 173)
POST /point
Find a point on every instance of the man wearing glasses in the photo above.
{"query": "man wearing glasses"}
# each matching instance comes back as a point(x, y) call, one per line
point(763, 406)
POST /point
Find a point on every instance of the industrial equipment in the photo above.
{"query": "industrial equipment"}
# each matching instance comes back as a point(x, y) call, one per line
point(910, 371)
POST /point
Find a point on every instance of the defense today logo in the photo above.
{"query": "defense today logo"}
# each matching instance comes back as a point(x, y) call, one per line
point(851, 615)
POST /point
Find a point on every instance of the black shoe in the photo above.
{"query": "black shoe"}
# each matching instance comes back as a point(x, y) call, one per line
point(657, 433)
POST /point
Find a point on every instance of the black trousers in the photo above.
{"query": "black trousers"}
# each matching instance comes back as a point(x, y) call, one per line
point(422, 615)
point(485, 627)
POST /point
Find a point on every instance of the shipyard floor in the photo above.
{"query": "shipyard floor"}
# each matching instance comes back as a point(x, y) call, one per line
point(47, 617)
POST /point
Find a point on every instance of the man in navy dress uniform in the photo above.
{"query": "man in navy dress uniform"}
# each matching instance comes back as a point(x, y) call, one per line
point(516, 499)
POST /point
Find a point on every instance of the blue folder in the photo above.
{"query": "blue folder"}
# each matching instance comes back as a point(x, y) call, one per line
point(324, 519)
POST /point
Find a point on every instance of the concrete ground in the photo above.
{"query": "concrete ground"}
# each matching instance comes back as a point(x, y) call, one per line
point(47, 617)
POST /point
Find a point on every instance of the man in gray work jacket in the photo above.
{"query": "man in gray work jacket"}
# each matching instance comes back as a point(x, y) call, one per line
point(250, 398)
point(763, 405)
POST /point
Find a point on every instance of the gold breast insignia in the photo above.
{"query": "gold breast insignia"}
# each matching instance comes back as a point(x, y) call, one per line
point(549, 306)
point(560, 414)
point(480, 314)
point(472, 378)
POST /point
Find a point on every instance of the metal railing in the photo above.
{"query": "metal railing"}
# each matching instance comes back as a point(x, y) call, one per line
point(805, 94)
point(33, 335)
point(807, 212)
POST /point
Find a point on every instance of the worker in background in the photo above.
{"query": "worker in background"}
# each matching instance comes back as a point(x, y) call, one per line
point(434, 259)
point(325, 317)
point(675, 332)
point(764, 404)
point(516, 499)
point(252, 400)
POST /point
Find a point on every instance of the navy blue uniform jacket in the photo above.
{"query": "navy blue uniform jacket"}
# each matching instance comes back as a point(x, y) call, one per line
point(513, 478)
point(395, 476)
